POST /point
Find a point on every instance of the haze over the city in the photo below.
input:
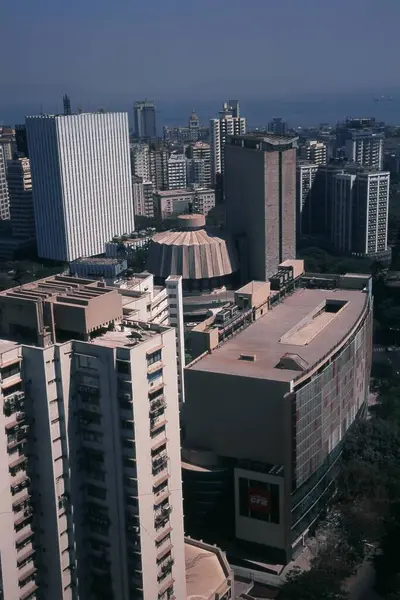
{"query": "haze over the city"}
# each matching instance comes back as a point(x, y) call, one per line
point(108, 54)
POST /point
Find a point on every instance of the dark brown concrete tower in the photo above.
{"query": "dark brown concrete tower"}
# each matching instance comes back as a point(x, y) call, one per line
point(260, 196)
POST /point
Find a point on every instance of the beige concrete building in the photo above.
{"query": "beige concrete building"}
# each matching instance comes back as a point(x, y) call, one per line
point(90, 449)
point(281, 379)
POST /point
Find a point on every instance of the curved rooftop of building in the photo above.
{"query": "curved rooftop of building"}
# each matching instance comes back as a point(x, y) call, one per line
point(193, 251)
point(294, 337)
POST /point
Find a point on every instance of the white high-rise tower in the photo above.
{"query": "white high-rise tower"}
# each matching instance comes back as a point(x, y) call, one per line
point(81, 177)
point(228, 123)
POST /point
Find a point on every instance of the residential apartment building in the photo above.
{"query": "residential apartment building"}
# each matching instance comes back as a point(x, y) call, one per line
point(360, 213)
point(143, 197)
point(228, 123)
point(91, 447)
point(269, 405)
point(144, 113)
point(159, 155)
point(177, 171)
point(171, 203)
point(140, 161)
point(21, 200)
point(81, 177)
point(260, 199)
point(314, 151)
point(361, 142)
point(6, 144)
point(4, 198)
point(306, 173)
point(199, 164)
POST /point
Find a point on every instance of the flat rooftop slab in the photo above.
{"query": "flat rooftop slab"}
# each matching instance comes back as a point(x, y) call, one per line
point(263, 338)
point(204, 573)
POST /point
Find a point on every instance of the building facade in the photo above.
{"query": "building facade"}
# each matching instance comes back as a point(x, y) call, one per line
point(140, 161)
point(267, 409)
point(306, 173)
point(360, 213)
point(199, 165)
point(21, 199)
point(144, 113)
point(81, 177)
point(177, 171)
point(278, 126)
point(228, 123)
point(4, 197)
point(143, 197)
point(169, 204)
point(159, 155)
point(314, 151)
point(361, 142)
point(91, 448)
point(260, 198)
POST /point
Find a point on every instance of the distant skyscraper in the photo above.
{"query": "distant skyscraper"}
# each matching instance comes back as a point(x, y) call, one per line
point(67, 105)
point(81, 177)
point(21, 201)
point(21, 140)
point(226, 124)
point(7, 145)
point(260, 196)
point(192, 133)
point(278, 126)
point(4, 199)
point(360, 213)
point(145, 119)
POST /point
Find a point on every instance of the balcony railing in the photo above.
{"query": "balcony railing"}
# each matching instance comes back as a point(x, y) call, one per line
point(162, 516)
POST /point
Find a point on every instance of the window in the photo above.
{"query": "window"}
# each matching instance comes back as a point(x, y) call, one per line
point(96, 492)
point(125, 424)
point(123, 367)
point(153, 357)
point(151, 377)
point(157, 431)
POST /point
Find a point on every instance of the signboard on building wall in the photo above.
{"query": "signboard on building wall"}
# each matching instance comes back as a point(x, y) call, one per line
point(259, 500)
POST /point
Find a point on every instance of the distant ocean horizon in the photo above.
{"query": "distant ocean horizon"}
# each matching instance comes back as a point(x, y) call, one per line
point(298, 111)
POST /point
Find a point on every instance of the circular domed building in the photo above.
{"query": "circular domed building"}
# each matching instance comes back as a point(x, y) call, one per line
point(204, 257)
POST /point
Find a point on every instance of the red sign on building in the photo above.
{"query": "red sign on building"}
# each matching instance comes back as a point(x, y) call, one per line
point(259, 500)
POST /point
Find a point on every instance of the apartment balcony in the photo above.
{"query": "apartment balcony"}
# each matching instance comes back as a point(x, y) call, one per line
point(27, 553)
point(163, 592)
point(165, 569)
point(23, 539)
point(14, 403)
point(23, 519)
point(157, 405)
point(157, 426)
point(159, 464)
point(21, 502)
point(162, 517)
point(30, 592)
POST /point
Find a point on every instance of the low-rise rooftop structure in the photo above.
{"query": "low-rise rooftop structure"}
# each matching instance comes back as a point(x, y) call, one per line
point(208, 574)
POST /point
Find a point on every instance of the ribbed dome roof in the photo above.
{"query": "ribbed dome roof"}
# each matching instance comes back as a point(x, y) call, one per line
point(192, 253)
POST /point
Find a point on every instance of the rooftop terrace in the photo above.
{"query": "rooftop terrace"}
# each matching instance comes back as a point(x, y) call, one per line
point(301, 330)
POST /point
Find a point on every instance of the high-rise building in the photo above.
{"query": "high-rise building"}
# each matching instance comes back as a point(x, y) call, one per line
point(306, 173)
point(278, 126)
point(177, 171)
point(140, 161)
point(199, 164)
point(268, 407)
point(159, 155)
point(4, 198)
point(21, 200)
point(173, 285)
point(314, 151)
point(21, 140)
point(361, 142)
point(90, 458)
point(145, 119)
point(360, 213)
point(260, 197)
point(67, 105)
point(228, 123)
point(7, 145)
point(143, 197)
point(81, 177)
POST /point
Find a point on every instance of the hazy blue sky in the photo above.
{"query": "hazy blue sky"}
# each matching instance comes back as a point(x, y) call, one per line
point(109, 52)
